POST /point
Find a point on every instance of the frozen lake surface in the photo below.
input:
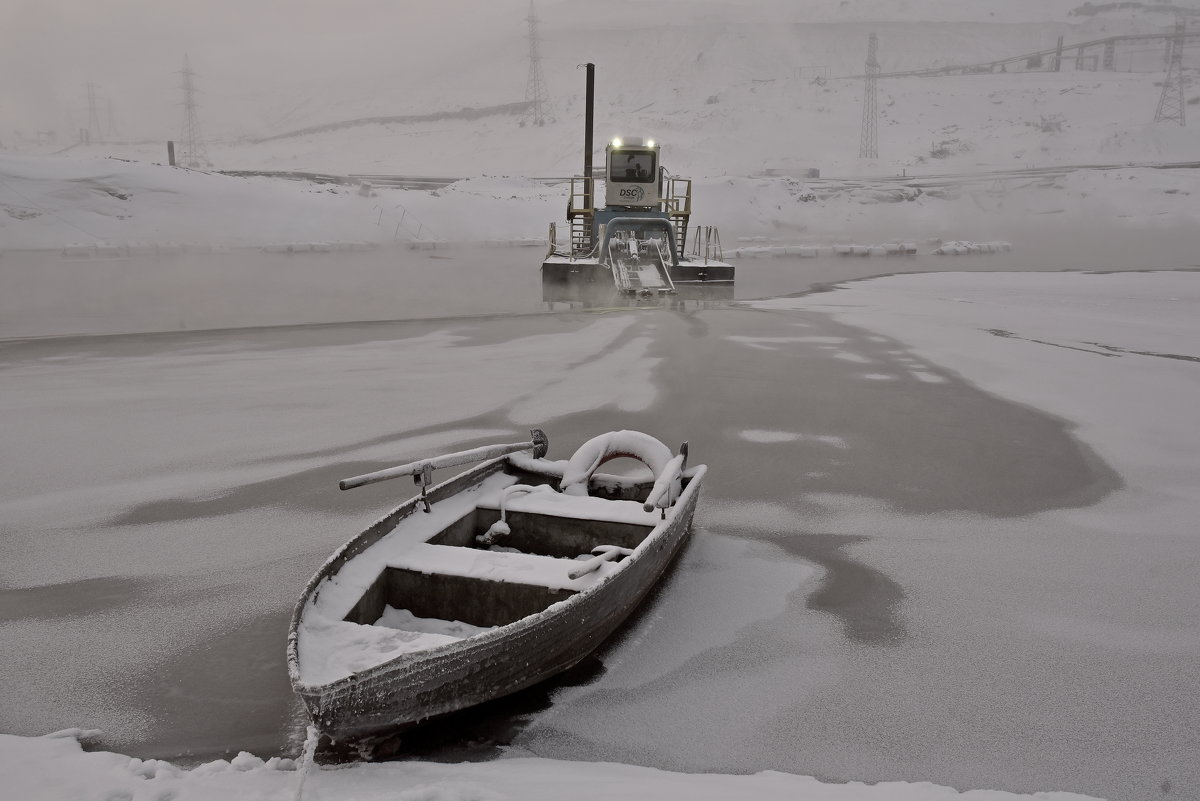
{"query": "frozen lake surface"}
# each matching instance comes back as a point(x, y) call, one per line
point(878, 588)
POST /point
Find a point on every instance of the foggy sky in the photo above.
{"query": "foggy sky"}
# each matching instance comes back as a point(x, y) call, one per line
point(261, 62)
point(243, 51)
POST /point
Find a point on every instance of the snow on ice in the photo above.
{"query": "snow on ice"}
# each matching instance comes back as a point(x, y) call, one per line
point(56, 768)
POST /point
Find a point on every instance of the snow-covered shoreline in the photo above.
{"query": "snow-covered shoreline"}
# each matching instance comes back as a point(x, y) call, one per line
point(112, 207)
point(56, 768)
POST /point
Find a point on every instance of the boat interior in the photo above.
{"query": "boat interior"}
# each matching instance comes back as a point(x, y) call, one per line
point(549, 549)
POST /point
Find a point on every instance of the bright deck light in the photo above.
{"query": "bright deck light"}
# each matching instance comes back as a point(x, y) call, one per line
point(617, 142)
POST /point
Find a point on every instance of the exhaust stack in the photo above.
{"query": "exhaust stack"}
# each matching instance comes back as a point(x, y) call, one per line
point(589, 107)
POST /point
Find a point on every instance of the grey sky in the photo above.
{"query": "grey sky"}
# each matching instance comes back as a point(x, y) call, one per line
point(247, 52)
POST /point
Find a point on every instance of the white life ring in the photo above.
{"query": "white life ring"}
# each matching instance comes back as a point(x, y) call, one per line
point(606, 447)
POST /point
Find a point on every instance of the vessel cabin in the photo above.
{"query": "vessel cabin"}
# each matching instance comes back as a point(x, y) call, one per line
point(633, 180)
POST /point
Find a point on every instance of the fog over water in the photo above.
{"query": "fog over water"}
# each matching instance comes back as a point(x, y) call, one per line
point(51, 295)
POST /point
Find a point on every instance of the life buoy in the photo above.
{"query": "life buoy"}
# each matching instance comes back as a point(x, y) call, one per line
point(606, 447)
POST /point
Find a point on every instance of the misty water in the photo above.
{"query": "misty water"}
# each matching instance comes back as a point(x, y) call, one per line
point(48, 294)
point(176, 491)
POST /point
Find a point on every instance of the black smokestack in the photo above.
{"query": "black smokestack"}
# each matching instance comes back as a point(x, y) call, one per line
point(589, 109)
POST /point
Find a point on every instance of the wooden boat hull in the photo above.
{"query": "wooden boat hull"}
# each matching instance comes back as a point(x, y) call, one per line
point(416, 687)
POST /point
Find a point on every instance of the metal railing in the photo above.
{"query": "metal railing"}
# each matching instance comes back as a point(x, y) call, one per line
point(677, 199)
point(581, 188)
point(580, 214)
point(707, 244)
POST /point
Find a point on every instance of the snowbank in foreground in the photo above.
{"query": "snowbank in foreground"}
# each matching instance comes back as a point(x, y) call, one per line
point(56, 768)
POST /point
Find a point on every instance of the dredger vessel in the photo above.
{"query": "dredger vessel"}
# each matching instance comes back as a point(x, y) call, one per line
point(639, 239)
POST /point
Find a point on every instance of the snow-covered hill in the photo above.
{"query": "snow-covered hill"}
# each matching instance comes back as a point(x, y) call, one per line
point(118, 206)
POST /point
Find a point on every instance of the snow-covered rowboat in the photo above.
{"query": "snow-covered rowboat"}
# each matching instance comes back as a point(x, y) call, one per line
point(486, 583)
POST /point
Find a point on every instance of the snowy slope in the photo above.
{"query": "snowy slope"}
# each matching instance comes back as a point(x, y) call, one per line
point(738, 99)
point(55, 202)
point(52, 202)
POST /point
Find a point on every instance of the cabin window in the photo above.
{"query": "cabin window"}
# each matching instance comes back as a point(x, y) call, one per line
point(631, 167)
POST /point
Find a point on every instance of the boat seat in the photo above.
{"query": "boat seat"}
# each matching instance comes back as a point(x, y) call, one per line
point(556, 504)
point(515, 568)
point(558, 525)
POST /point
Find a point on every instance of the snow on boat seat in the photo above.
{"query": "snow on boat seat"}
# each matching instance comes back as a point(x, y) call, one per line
point(334, 650)
point(479, 587)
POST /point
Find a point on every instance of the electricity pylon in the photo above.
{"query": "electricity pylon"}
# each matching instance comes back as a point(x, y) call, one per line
point(112, 121)
point(1171, 107)
point(869, 144)
point(93, 126)
point(535, 88)
point(192, 150)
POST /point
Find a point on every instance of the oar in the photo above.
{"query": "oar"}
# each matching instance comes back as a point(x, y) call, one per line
point(604, 553)
point(421, 469)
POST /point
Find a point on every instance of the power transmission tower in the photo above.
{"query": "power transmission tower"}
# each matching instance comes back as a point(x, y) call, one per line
point(535, 89)
point(1170, 104)
point(93, 126)
point(112, 120)
point(192, 150)
point(869, 145)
